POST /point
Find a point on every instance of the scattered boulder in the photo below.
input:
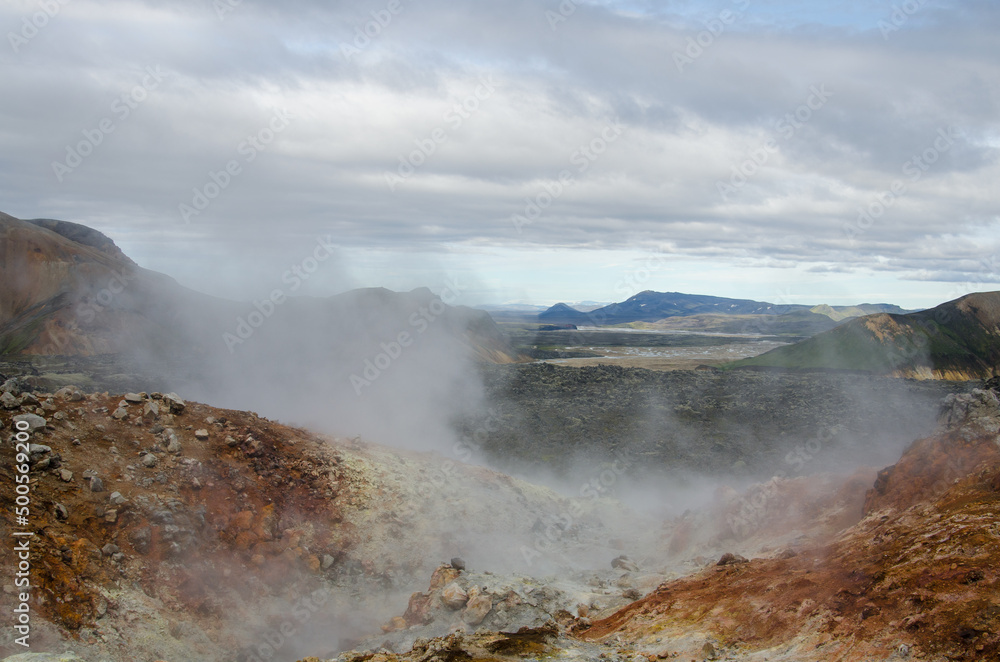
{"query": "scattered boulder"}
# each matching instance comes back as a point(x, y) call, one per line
point(141, 540)
point(478, 606)
point(34, 421)
point(151, 410)
point(624, 563)
point(201, 434)
point(28, 399)
point(11, 386)
point(116, 498)
point(96, 484)
point(134, 398)
point(443, 575)
point(110, 549)
point(150, 460)
point(175, 403)
point(731, 559)
point(120, 414)
point(458, 563)
point(418, 610)
point(66, 475)
point(9, 402)
point(61, 512)
point(71, 393)
point(454, 596)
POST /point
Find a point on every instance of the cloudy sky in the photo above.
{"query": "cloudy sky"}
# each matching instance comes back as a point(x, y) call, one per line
point(840, 151)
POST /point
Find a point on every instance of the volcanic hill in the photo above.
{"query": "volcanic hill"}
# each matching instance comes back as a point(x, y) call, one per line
point(958, 340)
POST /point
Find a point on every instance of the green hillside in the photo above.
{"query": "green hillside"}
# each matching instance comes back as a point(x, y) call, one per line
point(956, 340)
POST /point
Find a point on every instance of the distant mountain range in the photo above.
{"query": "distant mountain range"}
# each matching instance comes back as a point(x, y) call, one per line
point(652, 307)
point(957, 340)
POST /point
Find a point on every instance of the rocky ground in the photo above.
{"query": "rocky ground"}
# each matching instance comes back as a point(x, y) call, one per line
point(171, 530)
point(215, 529)
point(915, 577)
point(755, 424)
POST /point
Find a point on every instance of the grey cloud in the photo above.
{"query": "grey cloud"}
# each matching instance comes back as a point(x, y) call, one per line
point(356, 116)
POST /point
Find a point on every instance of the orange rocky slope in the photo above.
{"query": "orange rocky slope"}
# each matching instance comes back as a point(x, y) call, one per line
point(176, 531)
point(918, 576)
point(915, 577)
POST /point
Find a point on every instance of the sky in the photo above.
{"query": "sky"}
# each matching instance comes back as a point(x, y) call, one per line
point(518, 151)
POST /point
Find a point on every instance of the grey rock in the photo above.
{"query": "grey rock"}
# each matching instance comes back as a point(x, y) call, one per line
point(176, 404)
point(454, 596)
point(150, 460)
point(96, 484)
point(624, 563)
point(11, 386)
point(110, 549)
point(141, 540)
point(327, 562)
point(28, 398)
point(477, 608)
point(120, 414)
point(34, 421)
point(151, 410)
point(66, 475)
point(201, 434)
point(61, 512)
point(731, 559)
point(39, 449)
point(457, 563)
point(134, 398)
point(116, 498)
